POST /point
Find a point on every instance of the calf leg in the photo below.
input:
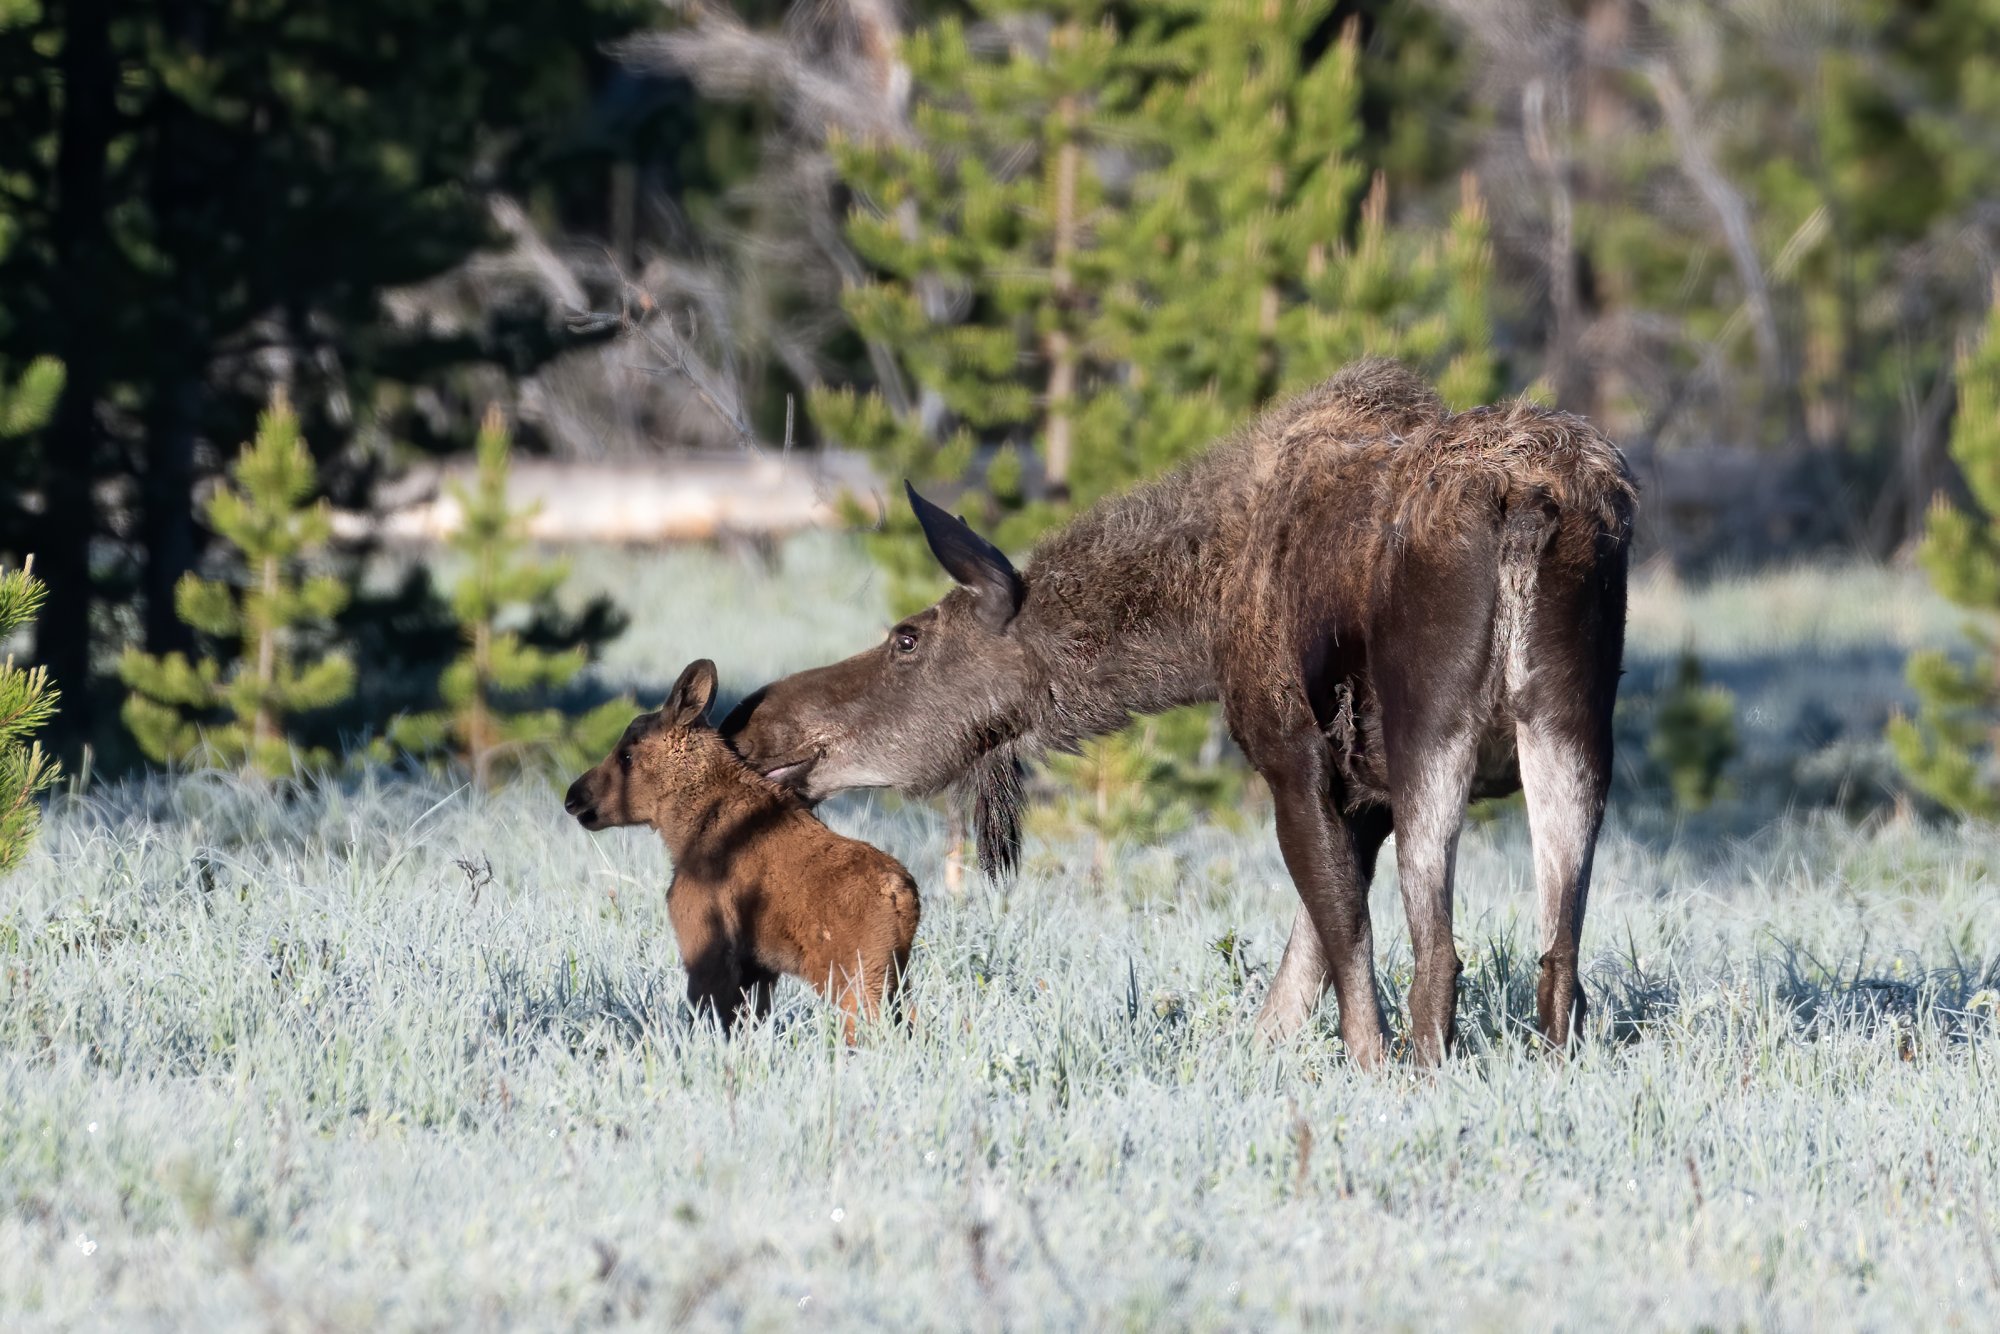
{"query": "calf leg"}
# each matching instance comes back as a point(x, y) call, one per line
point(861, 988)
point(1303, 975)
point(715, 987)
point(759, 987)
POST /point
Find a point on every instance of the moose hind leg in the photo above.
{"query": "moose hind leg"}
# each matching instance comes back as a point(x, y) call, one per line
point(1320, 851)
point(1563, 697)
point(1302, 978)
point(1430, 784)
point(1565, 774)
point(1303, 975)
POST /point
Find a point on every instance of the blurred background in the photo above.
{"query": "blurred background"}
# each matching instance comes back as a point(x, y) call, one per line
point(600, 279)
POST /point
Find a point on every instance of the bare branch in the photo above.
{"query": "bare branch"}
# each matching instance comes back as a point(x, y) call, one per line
point(862, 89)
point(1562, 232)
point(1731, 212)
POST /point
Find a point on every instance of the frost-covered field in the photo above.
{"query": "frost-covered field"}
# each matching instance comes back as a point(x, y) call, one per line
point(271, 1062)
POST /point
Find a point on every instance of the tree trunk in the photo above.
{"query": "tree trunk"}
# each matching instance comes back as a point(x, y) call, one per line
point(1568, 377)
point(174, 424)
point(264, 725)
point(69, 518)
point(167, 499)
point(1062, 351)
point(479, 738)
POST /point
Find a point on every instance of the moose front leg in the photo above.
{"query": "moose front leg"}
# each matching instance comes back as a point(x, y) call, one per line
point(721, 988)
point(758, 989)
point(1323, 854)
point(1303, 975)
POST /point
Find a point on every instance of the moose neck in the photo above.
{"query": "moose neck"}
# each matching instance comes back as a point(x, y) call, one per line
point(1121, 606)
point(720, 809)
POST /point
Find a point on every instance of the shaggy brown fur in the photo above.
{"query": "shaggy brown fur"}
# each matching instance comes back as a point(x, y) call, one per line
point(1398, 608)
point(760, 886)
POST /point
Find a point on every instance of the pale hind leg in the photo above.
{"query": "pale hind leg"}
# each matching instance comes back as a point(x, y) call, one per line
point(1565, 773)
point(1302, 978)
point(1431, 781)
point(1433, 679)
point(1564, 695)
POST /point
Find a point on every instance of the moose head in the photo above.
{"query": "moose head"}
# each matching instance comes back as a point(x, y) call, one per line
point(660, 758)
point(941, 700)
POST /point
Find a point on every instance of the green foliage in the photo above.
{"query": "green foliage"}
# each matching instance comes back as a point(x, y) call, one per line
point(989, 237)
point(27, 702)
point(185, 187)
point(265, 516)
point(1255, 267)
point(1948, 750)
point(27, 699)
point(503, 586)
point(1693, 735)
point(1081, 334)
point(1150, 780)
point(28, 405)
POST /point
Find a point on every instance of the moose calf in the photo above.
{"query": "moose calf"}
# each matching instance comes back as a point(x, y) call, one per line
point(760, 886)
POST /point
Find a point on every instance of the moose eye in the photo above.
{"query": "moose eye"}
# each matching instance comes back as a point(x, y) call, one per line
point(625, 758)
point(905, 641)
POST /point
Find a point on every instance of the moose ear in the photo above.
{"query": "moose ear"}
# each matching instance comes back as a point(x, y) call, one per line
point(971, 561)
point(687, 704)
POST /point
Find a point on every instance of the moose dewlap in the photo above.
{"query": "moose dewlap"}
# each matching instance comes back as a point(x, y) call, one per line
point(760, 886)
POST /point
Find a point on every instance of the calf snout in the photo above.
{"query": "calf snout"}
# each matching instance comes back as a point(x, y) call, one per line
point(581, 802)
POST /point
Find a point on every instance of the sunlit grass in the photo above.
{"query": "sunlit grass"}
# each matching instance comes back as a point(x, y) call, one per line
point(1822, 608)
point(395, 1055)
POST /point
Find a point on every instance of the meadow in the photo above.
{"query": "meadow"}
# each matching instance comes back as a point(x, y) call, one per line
point(395, 1055)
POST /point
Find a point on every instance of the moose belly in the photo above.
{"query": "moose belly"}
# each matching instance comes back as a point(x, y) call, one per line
point(1498, 771)
point(1354, 736)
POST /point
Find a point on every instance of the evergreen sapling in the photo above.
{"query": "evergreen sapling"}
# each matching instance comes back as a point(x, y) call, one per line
point(236, 716)
point(27, 701)
point(1950, 749)
point(502, 587)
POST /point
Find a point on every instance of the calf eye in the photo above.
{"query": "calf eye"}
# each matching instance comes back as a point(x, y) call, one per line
point(905, 642)
point(625, 758)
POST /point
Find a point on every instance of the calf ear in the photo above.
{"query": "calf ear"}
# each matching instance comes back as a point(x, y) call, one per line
point(687, 703)
point(971, 561)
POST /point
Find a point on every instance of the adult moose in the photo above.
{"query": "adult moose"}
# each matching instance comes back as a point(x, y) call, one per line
point(1398, 608)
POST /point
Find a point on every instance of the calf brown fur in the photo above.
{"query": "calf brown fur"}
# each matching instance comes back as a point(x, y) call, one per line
point(760, 886)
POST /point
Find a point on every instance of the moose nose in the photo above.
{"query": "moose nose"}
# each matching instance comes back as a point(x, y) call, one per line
point(577, 802)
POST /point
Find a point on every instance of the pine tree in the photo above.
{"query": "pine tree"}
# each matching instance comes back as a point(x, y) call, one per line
point(1693, 737)
point(265, 608)
point(497, 663)
point(1106, 330)
point(191, 179)
point(1951, 749)
point(1242, 282)
point(987, 237)
point(1083, 337)
point(27, 701)
point(26, 407)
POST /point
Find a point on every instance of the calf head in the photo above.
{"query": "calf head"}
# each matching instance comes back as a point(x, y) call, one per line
point(661, 757)
point(941, 700)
